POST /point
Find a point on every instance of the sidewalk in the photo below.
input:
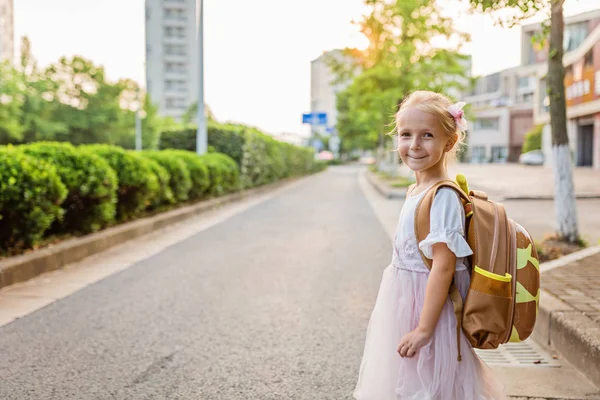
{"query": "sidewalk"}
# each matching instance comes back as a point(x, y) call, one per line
point(568, 322)
point(569, 318)
point(521, 182)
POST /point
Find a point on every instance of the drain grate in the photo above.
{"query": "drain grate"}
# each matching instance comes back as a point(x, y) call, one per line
point(524, 354)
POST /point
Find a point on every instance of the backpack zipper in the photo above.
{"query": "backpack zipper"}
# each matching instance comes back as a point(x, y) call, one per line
point(495, 241)
point(513, 272)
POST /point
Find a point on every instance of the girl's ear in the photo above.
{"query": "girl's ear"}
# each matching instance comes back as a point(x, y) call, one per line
point(450, 144)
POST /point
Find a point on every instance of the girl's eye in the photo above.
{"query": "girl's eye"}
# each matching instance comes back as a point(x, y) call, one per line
point(405, 134)
point(427, 135)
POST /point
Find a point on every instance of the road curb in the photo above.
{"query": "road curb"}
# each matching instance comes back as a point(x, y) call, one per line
point(569, 332)
point(26, 266)
point(383, 189)
point(534, 198)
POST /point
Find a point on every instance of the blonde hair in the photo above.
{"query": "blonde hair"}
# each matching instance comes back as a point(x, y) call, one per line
point(436, 104)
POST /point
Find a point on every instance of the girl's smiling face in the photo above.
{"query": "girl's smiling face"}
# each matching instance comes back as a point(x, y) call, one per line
point(422, 143)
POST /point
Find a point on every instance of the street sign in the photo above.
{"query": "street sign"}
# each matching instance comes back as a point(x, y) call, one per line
point(314, 118)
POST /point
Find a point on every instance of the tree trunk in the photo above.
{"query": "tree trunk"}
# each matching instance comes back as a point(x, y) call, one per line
point(564, 193)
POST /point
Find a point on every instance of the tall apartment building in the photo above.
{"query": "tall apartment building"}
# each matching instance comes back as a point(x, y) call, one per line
point(172, 55)
point(7, 38)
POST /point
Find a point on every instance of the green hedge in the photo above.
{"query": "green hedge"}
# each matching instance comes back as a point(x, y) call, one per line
point(90, 181)
point(166, 196)
point(224, 175)
point(180, 182)
point(223, 138)
point(260, 158)
point(138, 185)
point(30, 196)
point(49, 187)
point(198, 171)
point(533, 139)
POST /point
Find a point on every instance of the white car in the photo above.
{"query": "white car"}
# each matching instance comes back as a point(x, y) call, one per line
point(534, 157)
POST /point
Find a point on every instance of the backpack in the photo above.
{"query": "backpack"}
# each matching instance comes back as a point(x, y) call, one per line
point(503, 298)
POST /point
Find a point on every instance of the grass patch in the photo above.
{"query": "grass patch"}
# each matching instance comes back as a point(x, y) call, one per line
point(551, 248)
point(400, 182)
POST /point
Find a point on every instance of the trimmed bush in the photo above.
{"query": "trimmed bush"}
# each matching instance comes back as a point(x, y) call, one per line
point(30, 196)
point(165, 195)
point(533, 139)
point(91, 183)
point(223, 138)
point(224, 174)
point(180, 182)
point(138, 185)
point(198, 171)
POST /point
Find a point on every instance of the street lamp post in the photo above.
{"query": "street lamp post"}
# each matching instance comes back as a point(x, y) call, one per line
point(201, 139)
point(138, 123)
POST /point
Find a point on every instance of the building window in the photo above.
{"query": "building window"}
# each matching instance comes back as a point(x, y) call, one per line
point(175, 49)
point(175, 85)
point(499, 153)
point(176, 67)
point(174, 32)
point(175, 14)
point(487, 124)
point(478, 154)
point(176, 103)
point(574, 35)
point(523, 81)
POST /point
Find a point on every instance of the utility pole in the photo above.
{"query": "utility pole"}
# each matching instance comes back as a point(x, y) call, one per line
point(138, 123)
point(201, 137)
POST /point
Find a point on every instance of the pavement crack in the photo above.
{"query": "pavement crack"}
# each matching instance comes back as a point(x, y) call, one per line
point(155, 368)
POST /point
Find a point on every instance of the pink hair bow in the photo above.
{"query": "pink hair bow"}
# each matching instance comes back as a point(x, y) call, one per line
point(459, 115)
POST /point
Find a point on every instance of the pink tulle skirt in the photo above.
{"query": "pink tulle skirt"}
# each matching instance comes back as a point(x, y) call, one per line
point(434, 373)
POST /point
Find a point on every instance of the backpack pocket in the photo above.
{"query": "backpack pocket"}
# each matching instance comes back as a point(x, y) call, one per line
point(486, 309)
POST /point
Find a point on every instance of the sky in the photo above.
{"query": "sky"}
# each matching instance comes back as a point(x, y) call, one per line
point(257, 53)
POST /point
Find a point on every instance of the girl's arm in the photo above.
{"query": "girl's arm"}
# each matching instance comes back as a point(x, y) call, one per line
point(438, 284)
point(436, 294)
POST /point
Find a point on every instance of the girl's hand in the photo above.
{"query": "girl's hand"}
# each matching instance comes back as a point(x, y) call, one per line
point(412, 342)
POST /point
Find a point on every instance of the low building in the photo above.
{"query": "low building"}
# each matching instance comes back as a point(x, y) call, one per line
point(582, 90)
point(501, 107)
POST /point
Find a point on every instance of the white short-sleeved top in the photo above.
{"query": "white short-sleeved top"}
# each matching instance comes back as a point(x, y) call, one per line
point(447, 226)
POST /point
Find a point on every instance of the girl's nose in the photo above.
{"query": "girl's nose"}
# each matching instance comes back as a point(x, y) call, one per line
point(414, 144)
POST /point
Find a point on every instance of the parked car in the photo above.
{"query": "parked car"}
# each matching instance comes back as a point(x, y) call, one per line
point(534, 157)
point(325, 155)
point(367, 160)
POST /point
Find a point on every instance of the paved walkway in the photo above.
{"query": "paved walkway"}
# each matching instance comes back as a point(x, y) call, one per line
point(578, 285)
point(515, 180)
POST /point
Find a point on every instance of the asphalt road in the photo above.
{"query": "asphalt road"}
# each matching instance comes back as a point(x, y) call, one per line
point(270, 304)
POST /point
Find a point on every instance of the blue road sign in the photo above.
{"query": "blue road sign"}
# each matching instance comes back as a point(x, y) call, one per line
point(314, 118)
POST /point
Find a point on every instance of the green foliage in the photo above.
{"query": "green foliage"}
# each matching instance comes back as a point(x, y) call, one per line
point(72, 101)
point(533, 139)
point(399, 60)
point(30, 196)
point(521, 9)
point(224, 138)
point(224, 173)
point(138, 186)
point(90, 181)
point(180, 182)
point(199, 173)
point(165, 196)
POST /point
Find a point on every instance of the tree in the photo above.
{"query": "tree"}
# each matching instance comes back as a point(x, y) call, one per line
point(400, 59)
point(564, 193)
point(190, 114)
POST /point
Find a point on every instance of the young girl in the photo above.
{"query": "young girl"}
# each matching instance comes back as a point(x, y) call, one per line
point(411, 345)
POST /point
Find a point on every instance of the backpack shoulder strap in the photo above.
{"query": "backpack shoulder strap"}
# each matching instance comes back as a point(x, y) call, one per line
point(423, 212)
point(422, 229)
